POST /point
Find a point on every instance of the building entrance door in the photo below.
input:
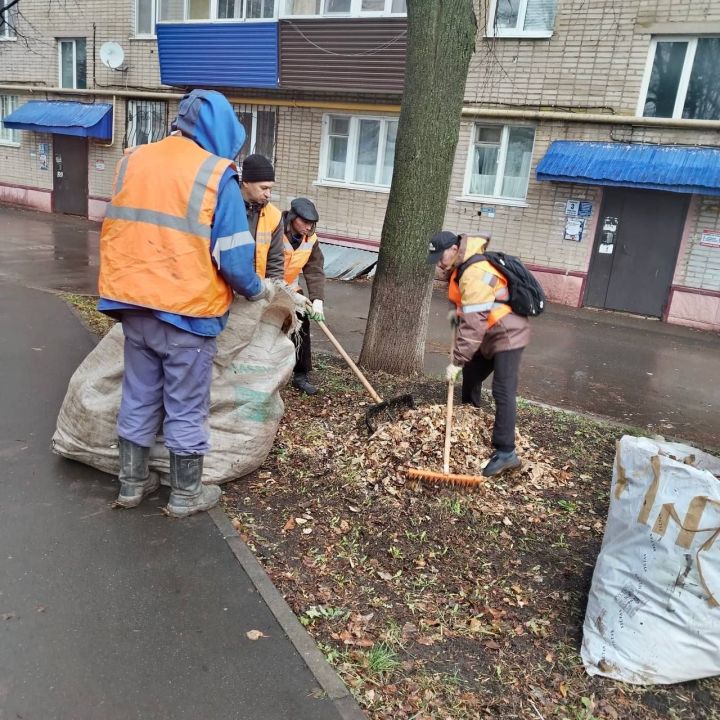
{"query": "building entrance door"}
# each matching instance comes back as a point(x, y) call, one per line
point(636, 249)
point(70, 174)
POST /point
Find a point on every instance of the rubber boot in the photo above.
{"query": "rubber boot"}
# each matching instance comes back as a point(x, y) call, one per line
point(136, 480)
point(501, 461)
point(301, 382)
point(189, 495)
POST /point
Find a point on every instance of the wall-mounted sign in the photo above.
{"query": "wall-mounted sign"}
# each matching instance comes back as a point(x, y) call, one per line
point(710, 238)
point(100, 165)
point(43, 153)
point(585, 209)
point(488, 212)
point(578, 208)
point(574, 228)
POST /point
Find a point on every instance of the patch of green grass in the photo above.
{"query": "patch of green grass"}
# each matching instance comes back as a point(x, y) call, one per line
point(382, 659)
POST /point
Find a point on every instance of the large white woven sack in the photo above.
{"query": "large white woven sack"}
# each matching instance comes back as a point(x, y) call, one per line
point(653, 614)
point(255, 358)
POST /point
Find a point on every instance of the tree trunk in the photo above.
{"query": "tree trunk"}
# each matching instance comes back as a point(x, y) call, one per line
point(441, 39)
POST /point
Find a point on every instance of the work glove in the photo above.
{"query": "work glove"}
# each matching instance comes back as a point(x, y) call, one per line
point(452, 372)
point(301, 303)
point(453, 318)
point(267, 292)
point(317, 314)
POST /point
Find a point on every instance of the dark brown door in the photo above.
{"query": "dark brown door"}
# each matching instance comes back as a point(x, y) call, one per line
point(636, 248)
point(70, 175)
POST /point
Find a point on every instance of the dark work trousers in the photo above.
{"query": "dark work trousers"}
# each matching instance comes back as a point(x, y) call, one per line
point(303, 358)
point(505, 367)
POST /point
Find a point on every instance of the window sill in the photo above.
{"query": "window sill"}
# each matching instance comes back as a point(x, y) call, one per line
point(143, 38)
point(8, 143)
point(520, 34)
point(352, 186)
point(8, 39)
point(488, 200)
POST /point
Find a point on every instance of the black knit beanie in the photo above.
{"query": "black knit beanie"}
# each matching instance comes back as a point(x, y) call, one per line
point(257, 168)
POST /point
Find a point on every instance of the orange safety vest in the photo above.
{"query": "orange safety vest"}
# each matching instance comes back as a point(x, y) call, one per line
point(462, 293)
point(155, 239)
point(296, 259)
point(269, 219)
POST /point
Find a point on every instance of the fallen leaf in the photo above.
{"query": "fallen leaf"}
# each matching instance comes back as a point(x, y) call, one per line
point(255, 634)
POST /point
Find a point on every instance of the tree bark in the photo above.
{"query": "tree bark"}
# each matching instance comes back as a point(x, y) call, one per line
point(441, 39)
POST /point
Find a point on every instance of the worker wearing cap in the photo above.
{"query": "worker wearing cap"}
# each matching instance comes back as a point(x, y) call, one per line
point(303, 255)
point(264, 219)
point(490, 337)
point(174, 246)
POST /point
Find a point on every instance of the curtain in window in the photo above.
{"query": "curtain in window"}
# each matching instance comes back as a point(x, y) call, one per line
point(517, 162)
point(367, 153)
point(338, 148)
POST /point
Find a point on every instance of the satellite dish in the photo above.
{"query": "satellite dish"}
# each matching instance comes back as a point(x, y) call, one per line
point(111, 55)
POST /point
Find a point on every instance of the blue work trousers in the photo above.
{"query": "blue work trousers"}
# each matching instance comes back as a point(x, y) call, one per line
point(166, 384)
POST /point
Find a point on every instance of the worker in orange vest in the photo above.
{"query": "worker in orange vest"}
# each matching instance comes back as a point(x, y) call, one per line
point(303, 255)
point(174, 246)
point(264, 219)
point(490, 337)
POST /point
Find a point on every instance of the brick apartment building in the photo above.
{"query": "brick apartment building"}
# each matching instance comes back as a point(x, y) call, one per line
point(588, 145)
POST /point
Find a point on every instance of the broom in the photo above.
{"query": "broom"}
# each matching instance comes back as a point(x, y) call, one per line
point(446, 477)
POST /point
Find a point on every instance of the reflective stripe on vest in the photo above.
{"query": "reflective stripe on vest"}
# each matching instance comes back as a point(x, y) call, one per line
point(497, 308)
point(268, 220)
point(155, 240)
point(297, 258)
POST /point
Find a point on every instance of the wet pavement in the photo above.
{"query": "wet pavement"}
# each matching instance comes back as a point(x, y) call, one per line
point(643, 372)
point(115, 615)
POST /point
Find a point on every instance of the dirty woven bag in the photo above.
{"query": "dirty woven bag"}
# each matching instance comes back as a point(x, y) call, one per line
point(653, 615)
point(255, 358)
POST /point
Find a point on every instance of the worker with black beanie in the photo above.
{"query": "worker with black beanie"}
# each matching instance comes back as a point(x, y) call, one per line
point(264, 219)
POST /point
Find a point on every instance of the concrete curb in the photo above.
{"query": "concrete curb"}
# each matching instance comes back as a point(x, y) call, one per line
point(326, 677)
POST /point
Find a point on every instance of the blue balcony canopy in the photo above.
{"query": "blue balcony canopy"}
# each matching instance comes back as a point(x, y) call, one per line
point(63, 118)
point(656, 167)
point(232, 55)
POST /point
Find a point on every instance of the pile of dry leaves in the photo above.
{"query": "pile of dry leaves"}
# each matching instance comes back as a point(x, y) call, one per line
point(434, 602)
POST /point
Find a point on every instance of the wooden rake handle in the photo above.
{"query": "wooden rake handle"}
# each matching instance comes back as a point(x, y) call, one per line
point(348, 360)
point(448, 415)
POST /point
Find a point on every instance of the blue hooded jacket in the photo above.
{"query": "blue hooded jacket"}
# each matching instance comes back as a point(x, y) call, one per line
point(207, 117)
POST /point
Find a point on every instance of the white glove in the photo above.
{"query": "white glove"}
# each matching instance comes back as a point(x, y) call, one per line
point(301, 303)
point(267, 292)
point(452, 372)
point(317, 311)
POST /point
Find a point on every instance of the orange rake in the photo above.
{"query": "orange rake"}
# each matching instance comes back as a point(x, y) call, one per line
point(446, 477)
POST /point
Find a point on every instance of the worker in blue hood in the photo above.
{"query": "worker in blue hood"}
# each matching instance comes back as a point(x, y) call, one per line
point(173, 248)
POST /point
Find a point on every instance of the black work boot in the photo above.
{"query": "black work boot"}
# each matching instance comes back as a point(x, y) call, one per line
point(473, 397)
point(189, 495)
point(301, 382)
point(501, 461)
point(136, 480)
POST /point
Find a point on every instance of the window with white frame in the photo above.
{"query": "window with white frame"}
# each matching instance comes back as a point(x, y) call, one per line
point(72, 62)
point(148, 12)
point(8, 25)
point(8, 104)
point(681, 79)
point(358, 150)
point(521, 18)
point(499, 161)
point(259, 124)
point(146, 121)
point(342, 8)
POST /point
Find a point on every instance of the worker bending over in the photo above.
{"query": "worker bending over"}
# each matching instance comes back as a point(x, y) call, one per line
point(490, 337)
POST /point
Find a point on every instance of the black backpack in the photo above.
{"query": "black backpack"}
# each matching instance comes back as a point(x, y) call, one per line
point(527, 297)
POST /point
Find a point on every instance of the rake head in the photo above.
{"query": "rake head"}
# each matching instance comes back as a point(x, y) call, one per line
point(387, 411)
point(469, 481)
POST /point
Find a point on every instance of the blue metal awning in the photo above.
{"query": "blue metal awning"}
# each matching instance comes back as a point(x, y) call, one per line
point(63, 118)
point(657, 167)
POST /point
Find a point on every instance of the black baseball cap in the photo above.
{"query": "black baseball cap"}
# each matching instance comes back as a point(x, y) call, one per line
point(439, 243)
